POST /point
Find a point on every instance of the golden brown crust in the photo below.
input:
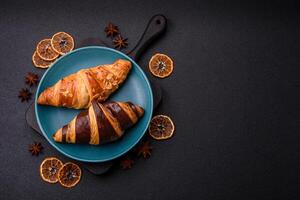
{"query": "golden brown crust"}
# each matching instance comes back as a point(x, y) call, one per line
point(94, 139)
point(71, 134)
point(79, 89)
point(58, 135)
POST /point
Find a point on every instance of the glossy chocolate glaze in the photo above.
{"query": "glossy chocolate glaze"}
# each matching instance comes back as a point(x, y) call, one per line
point(105, 129)
point(82, 127)
point(133, 108)
point(122, 117)
point(64, 133)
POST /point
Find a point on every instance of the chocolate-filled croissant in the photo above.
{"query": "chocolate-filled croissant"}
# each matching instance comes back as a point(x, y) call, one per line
point(101, 123)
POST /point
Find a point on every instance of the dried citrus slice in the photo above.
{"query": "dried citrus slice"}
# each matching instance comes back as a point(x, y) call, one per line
point(161, 65)
point(69, 175)
point(49, 169)
point(161, 127)
point(62, 43)
point(39, 62)
point(45, 50)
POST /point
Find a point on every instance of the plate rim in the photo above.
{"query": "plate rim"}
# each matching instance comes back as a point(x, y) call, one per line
point(94, 160)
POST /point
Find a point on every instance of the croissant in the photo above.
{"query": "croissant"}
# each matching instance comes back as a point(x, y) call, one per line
point(79, 89)
point(100, 124)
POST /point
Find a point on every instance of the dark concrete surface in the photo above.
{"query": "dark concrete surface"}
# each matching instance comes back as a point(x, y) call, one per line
point(234, 97)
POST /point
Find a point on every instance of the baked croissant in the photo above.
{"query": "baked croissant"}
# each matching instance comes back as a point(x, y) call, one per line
point(101, 123)
point(79, 89)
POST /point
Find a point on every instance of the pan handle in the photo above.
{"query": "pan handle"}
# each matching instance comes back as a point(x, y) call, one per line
point(156, 27)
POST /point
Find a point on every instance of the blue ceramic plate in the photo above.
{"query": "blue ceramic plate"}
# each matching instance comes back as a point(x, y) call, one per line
point(136, 89)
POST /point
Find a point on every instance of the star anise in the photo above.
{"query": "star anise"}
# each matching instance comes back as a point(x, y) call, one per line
point(35, 148)
point(24, 95)
point(111, 30)
point(31, 79)
point(120, 42)
point(144, 149)
point(126, 163)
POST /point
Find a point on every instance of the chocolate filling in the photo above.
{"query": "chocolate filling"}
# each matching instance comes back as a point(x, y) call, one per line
point(82, 127)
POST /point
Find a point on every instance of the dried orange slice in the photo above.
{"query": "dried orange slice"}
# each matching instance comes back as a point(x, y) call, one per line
point(49, 169)
point(62, 43)
point(161, 65)
point(39, 62)
point(45, 50)
point(69, 175)
point(161, 127)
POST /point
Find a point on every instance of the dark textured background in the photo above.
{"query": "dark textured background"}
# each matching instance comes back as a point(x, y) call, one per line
point(234, 97)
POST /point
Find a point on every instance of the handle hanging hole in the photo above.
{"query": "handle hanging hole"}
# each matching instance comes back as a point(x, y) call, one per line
point(158, 21)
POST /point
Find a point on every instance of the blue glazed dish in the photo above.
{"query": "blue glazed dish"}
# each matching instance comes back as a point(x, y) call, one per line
point(136, 89)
